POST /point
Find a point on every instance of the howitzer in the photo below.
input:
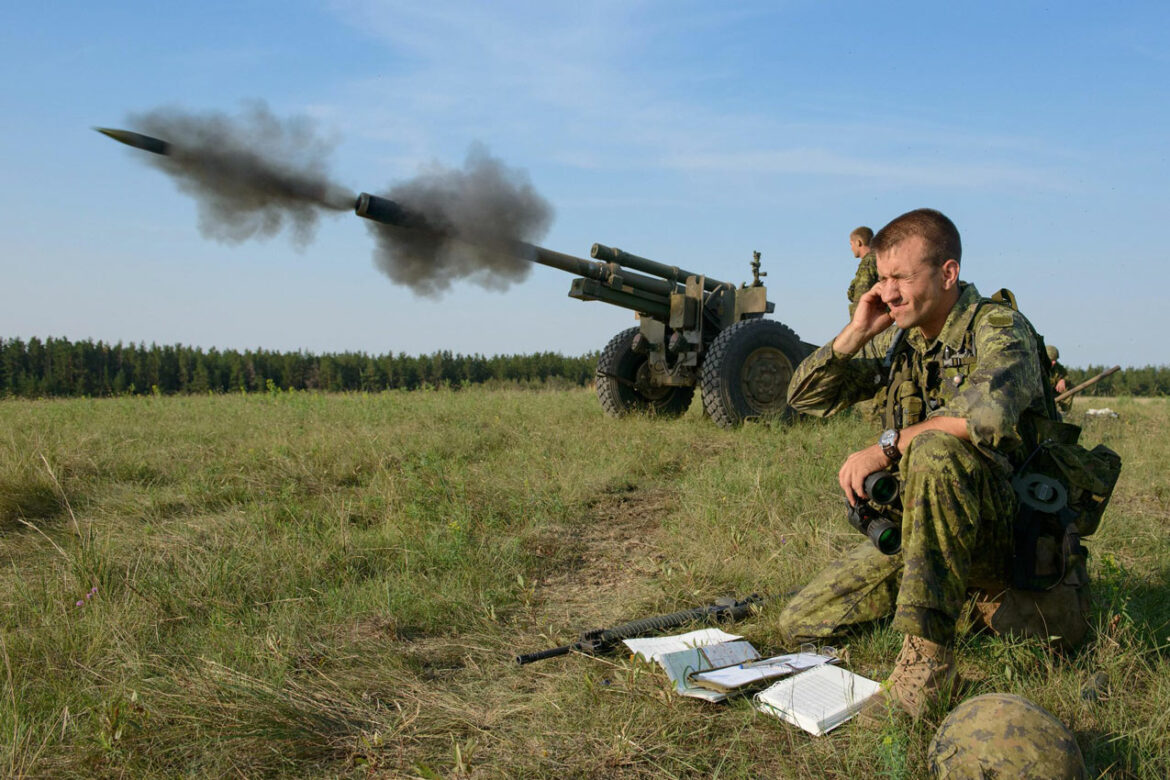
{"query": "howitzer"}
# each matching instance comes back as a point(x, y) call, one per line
point(1087, 383)
point(600, 640)
point(693, 331)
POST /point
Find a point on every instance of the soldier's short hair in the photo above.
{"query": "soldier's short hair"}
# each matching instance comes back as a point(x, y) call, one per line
point(940, 234)
point(864, 233)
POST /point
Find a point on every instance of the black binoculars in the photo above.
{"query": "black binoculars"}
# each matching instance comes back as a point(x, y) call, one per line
point(880, 517)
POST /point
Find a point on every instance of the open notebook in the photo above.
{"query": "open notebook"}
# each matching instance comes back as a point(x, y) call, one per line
point(817, 700)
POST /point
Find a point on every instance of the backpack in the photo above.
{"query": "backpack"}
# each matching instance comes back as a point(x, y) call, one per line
point(1063, 489)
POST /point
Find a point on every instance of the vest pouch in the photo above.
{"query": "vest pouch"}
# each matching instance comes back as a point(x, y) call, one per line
point(1055, 430)
point(907, 404)
point(1089, 475)
point(1063, 490)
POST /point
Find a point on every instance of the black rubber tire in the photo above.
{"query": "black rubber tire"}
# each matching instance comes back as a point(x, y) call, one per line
point(746, 372)
point(617, 372)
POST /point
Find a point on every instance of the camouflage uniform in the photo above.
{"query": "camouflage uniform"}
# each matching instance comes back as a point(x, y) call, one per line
point(1057, 373)
point(865, 278)
point(958, 502)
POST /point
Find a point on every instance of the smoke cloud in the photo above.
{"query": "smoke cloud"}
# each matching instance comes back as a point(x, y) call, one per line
point(251, 175)
point(476, 216)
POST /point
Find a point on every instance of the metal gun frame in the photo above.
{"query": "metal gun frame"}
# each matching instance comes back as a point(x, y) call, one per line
point(693, 330)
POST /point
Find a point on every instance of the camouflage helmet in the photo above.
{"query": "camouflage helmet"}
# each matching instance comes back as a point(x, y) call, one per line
point(1053, 352)
point(1003, 735)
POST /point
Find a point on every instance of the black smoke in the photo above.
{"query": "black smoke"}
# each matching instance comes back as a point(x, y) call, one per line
point(251, 175)
point(476, 216)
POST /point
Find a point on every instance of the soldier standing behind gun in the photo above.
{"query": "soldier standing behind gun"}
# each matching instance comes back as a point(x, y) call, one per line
point(1059, 376)
point(965, 376)
point(866, 275)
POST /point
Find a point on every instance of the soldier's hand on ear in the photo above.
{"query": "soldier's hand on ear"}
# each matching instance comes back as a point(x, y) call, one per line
point(871, 318)
point(872, 315)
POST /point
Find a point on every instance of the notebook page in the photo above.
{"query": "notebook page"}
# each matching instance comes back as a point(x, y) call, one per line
point(819, 699)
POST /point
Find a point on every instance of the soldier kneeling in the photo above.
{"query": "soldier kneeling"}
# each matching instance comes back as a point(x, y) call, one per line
point(963, 390)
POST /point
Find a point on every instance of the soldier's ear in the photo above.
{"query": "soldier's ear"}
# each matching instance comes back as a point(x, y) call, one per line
point(950, 272)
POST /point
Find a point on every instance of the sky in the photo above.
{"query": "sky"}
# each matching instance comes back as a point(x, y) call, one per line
point(689, 132)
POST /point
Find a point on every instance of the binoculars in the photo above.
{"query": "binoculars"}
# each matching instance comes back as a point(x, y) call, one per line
point(880, 517)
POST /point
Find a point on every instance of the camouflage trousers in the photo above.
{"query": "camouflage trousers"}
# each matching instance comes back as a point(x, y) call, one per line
point(956, 534)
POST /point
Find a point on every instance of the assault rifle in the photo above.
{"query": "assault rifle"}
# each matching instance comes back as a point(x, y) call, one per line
point(600, 640)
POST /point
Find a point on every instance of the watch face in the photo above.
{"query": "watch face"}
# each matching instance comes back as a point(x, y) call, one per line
point(888, 438)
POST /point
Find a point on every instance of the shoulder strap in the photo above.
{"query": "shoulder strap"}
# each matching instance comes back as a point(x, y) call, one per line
point(1005, 297)
point(892, 352)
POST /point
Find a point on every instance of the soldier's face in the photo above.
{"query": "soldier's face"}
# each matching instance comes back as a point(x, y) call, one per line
point(855, 245)
point(918, 293)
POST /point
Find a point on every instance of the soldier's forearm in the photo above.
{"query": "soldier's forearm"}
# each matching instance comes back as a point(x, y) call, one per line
point(850, 340)
point(955, 426)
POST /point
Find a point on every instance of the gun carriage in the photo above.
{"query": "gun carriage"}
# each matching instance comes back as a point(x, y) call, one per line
point(693, 331)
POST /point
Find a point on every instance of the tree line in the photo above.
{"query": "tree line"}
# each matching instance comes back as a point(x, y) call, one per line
point(1132, 381)
point(56, 367)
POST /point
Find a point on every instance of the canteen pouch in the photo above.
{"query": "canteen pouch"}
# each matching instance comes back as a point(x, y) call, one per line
point(1063, 490)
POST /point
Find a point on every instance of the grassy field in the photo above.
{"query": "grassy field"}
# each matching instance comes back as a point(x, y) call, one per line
point(305, 585)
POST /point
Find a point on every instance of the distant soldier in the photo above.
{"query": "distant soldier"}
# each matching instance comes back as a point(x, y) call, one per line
point(1059, 376)
point(866, 276)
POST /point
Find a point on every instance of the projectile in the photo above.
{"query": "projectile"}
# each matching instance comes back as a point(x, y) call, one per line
point(146, 143)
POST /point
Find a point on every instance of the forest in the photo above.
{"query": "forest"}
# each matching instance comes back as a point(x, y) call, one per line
point(58, 367)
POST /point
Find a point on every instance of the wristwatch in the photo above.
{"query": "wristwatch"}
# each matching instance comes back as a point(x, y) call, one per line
point(889, 444)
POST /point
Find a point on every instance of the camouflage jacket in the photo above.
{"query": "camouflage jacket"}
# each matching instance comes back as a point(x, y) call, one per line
point(865, 278)
point(983, 367)
point(1055, 374)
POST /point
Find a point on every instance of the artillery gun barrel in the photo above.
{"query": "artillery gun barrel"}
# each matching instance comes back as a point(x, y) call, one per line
point(656, 292)
point(671, 273)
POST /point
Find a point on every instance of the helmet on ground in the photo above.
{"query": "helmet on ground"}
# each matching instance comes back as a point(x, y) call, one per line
point(1053, 352)
point(1003, 735)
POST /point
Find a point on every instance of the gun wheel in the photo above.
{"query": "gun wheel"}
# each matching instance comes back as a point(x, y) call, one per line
point(624, 382)
point(746, 372)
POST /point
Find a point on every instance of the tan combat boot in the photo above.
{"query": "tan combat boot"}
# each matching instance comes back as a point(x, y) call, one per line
point(924, 671)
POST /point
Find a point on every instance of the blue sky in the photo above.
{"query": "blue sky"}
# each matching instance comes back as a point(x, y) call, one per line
point(676, 130)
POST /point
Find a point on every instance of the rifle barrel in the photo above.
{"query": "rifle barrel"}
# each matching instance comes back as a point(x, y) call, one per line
point(540, 655)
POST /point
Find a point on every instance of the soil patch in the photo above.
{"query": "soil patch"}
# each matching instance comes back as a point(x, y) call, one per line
point(604, 560)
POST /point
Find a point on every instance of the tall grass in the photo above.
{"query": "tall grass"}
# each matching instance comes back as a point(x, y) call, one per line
point(319, 585)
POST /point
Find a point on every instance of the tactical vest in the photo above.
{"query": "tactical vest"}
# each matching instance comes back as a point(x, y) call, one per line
point(912, 392)
point(1062, 487)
